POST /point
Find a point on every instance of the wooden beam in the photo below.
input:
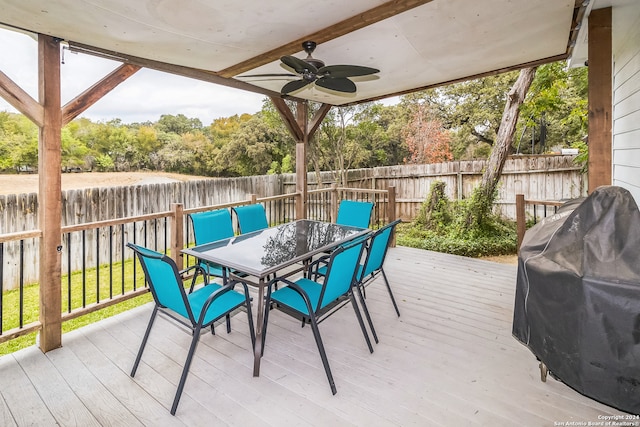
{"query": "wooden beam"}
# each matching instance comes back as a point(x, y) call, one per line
point(50, 192)
point(361, 20)
point(289, 120)
point(86, 99)
point(204, 75)
point(600, 98)
point(317, 119)
point(20, 100)
point(302, 118)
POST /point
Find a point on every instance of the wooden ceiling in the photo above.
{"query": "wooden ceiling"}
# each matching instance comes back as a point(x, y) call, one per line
point(415, 43)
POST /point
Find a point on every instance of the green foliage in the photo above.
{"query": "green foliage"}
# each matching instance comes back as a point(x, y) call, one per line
point(443, 225)
point(556, 104)
point(436, 212)
point(471, 247)
point(104, 163)
point(582, 159)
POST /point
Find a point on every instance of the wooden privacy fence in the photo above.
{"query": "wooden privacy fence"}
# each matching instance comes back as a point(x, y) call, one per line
point(537, 177)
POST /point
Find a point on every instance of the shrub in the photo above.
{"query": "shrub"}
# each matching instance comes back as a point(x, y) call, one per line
point(442, 226)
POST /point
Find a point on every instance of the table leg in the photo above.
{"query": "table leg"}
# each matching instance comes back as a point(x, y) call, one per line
point(257, 348)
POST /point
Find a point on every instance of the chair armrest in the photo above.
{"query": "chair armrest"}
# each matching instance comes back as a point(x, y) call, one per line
point(294, 286)
point(205, 307)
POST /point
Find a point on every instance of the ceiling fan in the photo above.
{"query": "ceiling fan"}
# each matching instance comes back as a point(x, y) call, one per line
point(312, 70)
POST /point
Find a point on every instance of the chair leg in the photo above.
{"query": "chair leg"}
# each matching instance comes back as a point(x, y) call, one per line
point(361, 322)
point(252, 331)
point(323, 354)
point(144, 340)
point(265, 320)
point(393, 300)
point(228, 319)
point(366, 312)
point(185, 370)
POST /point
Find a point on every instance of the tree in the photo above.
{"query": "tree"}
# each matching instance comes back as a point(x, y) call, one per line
point(484, 196)
point(425, 137)
point(179, 124)
point(339, 149)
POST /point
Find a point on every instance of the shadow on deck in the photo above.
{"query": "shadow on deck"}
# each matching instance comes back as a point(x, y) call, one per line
point(449, 360)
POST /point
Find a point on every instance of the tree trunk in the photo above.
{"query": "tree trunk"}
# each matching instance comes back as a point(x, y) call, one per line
point(507, 129)
point(483, 198)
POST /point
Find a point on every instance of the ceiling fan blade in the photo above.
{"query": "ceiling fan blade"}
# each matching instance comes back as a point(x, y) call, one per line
point(340, 84)
point(293, 86)
point(346, 71)
point(298, 65)
point(267, 75)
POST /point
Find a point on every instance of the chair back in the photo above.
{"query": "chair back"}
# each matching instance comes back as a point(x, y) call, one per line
point(341, 272)
point(377, 248)
point(211, 226)
point(251, 218)
point(164, 280)
point(354, 213)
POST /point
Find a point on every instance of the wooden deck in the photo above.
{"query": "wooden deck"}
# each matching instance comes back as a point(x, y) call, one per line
point(449, 360)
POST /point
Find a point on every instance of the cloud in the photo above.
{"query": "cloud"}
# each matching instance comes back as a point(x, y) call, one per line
point(145, 96)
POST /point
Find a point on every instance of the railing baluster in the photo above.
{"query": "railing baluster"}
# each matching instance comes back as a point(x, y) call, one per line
point(110, 261)
point(69, 272)
point(1, 282)
point(122, 254)
point(97, 265)
point(155, 234)
point(84, 268)
point(21, 283)
point(134, 258)
point(166, 223)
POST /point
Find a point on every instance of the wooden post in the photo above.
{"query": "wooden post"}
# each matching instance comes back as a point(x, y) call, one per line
point(521, 224)
point(600, 98)
point(177, 234)
point(391, 211)
point(50, 193)
point(302, 113)
point(334, 202)
point(253, 198)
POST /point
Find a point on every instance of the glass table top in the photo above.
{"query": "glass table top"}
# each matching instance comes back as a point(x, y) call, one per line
point(263, 252)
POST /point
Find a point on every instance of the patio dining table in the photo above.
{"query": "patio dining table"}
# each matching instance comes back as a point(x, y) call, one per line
point(253, 257)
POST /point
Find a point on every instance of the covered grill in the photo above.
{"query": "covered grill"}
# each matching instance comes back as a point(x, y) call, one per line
point(577, 304)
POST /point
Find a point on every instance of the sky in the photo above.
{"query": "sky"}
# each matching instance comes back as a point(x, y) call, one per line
point(145, 96)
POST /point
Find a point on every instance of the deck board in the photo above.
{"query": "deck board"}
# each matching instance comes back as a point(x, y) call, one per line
point(448, 360)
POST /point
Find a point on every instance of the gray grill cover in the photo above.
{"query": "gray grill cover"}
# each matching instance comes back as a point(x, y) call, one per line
point(577, 303)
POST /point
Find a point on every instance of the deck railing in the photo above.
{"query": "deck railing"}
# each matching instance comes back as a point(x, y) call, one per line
point(532, 211)
point(98, 271)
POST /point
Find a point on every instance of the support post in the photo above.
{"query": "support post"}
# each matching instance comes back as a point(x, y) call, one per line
point(302, 118)
point(521, 225)
point(50, 193)
point(391, 211)
point(600, 98)
point(334, 202)
point(177, 234)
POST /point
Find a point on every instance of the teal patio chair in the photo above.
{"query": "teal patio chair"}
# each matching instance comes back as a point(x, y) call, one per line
point(208, 227)
point(195, 310)
point(313, 302)
point(251, 218)
point(376, 251)
point(354, 213)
